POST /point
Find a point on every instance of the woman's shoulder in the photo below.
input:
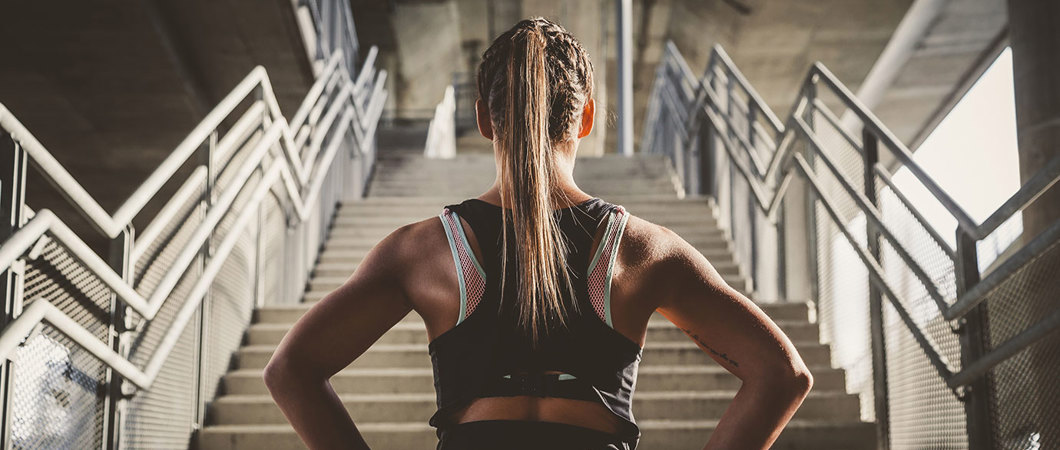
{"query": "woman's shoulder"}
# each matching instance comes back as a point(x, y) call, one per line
point(647, 251)
point(645, 241)
point(413, 244)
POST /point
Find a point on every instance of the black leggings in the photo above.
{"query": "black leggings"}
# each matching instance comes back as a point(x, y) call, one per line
point(527, 435)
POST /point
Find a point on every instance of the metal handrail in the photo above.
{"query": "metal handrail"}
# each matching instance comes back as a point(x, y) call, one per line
point(441, 132)
point(331, 24)
point(112, 225)
point(787, 162)
point(293, 166)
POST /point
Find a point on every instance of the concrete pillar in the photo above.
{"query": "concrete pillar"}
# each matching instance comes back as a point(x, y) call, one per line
point(1036, 73)
point(1035, 43)
point(427, 60)
point(624, 53)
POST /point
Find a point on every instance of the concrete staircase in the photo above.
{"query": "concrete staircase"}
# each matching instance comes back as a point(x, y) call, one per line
point(681, 393)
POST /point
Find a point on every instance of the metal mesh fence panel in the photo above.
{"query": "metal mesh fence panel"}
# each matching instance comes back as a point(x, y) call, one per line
point(58, 399)
point(228, 309)
point(164, 416)
point(843, 283)
point(1026, 387)
point(274, 227)
point(842, 309)
point(923, 410)
point(924, 413)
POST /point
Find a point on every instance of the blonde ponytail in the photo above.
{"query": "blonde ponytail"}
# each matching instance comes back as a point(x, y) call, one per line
point(534, 78)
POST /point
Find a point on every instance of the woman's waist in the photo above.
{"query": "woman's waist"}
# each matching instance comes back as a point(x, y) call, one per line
point(582, 413)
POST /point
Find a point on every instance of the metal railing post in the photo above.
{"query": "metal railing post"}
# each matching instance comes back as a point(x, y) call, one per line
point(811, 206)
point(782, 254)
point(259, 255)
point(752, 208)
point(971, 327)
point(707, 156)
point(12, 198)
point(201, 396)
point(870, 156)
point(120, 326)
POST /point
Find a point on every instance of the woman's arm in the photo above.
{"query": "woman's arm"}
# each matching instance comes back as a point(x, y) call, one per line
point(329, 337)
point(738, 335)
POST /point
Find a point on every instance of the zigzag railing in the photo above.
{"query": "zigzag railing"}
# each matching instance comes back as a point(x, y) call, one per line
point(726, 142)
point(323, 156)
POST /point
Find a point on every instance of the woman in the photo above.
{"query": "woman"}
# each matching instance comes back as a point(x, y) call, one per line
point(537, 333)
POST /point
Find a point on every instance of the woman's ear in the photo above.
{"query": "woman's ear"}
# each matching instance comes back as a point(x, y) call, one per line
point(587, 118)
point(482, 116)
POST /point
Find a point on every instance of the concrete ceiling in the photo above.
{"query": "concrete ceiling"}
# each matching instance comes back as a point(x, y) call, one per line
point(774, 42)
point(111, 89)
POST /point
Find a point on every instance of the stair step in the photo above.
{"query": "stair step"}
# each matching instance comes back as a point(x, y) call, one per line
point(343, 268)
point(415, 355)
point(673, 219)
point(718, 256)
point(643, 205)
point(328, 278)
point(380, 230)
point(713, 249)
point(583, 178)
point(442, 180)
point(710, 247)
point(649, 211)
point(788, 316)
point(656, 435)
point(629, 200)
point(416, 333)
point(472, 190)
point(421, 380)
point(396, 407)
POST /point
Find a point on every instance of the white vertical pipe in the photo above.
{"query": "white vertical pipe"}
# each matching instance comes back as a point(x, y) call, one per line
point(624, 36)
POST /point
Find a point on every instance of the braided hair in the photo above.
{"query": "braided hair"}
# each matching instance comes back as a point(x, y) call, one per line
point(536, 80)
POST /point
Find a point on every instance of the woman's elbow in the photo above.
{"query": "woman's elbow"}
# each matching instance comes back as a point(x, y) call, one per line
point(275, 374)
point(802, 381)
point(797, 382)
point(281, 373)
point(797, 376)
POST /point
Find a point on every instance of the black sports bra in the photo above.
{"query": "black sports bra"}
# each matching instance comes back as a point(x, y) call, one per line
point(484, 356)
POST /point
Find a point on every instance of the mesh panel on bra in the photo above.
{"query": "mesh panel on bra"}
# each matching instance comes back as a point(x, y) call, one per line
point(476, 285)
point(597, 281)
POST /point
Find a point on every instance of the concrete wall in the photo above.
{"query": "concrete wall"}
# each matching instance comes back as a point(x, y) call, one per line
point(773, 41)
point(427, 54)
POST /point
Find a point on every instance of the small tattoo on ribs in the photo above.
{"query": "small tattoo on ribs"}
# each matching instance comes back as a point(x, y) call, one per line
point(723, 356)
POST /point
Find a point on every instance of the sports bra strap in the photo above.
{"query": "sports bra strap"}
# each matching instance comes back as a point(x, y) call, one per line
point(599, 275)
point(469, 272)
